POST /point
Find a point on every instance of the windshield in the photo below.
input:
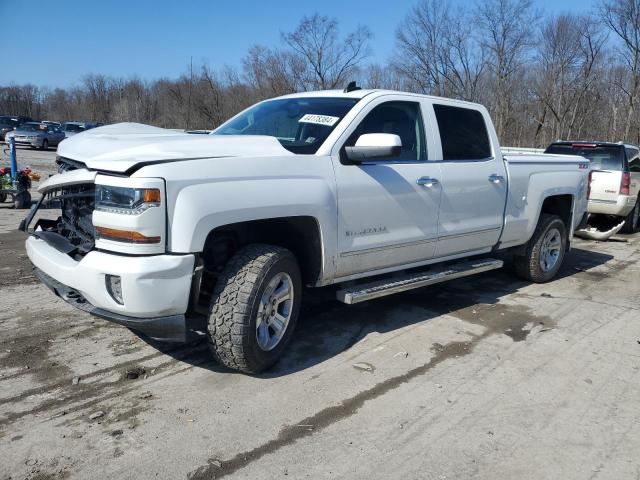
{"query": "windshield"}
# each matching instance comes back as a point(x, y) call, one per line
point(602, 157)
point(299, 124)
point(30, 127)
point(72, 127)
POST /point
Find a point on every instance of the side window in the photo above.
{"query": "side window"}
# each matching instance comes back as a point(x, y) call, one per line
point(463, 133)
point(633, 159)
point(631, 153)
point(400, 118)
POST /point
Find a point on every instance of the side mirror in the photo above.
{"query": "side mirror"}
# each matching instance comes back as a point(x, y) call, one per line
point(371, 146)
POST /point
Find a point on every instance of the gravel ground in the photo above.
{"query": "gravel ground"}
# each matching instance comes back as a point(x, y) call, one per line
point(485, 377)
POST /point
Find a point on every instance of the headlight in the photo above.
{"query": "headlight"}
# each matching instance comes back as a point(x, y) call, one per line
point(127, 201)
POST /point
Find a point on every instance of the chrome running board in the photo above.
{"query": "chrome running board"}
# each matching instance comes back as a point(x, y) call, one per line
point(367, 291)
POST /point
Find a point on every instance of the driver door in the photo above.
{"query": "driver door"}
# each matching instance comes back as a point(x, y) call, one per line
point(387, 208)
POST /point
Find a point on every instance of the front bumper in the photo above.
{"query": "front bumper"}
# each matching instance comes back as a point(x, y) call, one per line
point(619, 208)
point(171, 328)
point(155, 289)
point(32, 143)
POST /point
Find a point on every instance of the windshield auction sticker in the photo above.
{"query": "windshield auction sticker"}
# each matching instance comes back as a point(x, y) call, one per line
point(319, 119)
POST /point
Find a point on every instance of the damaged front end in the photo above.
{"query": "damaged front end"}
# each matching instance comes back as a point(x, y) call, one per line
point(72, 193)
point(140, 286)
point(72, 232)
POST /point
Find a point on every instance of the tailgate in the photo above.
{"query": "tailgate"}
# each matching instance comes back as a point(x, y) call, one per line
point(605, 185)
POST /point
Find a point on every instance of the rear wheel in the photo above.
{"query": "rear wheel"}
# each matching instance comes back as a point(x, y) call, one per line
point(544, 252)
point(254, 308)
point(632, 220)
point(3, 197)
point(45, 144)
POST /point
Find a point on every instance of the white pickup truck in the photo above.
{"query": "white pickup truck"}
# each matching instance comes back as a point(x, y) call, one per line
point(377, 191)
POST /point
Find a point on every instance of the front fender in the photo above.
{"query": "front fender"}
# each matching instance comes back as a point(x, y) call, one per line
point(255, 189)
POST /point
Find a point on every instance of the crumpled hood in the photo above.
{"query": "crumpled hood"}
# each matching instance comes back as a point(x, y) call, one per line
point(119, 147)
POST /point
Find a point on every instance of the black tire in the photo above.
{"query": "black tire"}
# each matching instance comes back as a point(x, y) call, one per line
point(631, 222)
point(45, 144)
point(528, 266)
point(3, 197)
point(236, 302)
point(22, 200)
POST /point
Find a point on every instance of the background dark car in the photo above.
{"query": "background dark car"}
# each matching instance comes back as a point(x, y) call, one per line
point(72, 128)
point(10, 122)
point(5, 127)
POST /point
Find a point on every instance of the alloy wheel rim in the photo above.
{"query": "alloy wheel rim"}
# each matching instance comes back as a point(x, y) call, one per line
point(550, 250)
point(274, 311)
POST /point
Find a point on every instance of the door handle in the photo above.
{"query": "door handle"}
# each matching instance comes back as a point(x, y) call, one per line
point(427, 182)
point(495, 178)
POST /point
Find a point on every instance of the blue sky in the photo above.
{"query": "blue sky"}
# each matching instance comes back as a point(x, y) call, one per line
point(55, 43)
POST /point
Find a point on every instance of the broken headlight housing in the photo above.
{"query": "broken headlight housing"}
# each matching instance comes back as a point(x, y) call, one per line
point(127, 201)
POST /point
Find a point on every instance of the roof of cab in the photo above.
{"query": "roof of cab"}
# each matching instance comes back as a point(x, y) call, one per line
point(361, 93)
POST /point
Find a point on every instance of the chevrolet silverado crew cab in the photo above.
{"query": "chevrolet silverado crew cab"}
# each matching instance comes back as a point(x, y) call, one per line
point(615, 178)
point(374, 191)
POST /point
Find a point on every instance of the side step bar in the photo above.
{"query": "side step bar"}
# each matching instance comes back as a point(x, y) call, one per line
point(380, 288)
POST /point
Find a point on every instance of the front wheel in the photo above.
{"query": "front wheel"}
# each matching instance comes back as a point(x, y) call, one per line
point(545, 251)
point(254, 308)
point(45, 144)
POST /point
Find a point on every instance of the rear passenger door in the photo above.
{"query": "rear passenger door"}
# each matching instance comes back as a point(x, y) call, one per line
point(474, 180)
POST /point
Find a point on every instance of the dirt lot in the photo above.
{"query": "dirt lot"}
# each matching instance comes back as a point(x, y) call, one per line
point(487, 377)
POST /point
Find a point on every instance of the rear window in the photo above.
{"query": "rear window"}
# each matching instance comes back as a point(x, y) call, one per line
point(602, 157)
point(463, 133)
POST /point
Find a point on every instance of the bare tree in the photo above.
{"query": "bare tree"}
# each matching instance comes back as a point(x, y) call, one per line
point(506, 29)
point(422, 45)
point(623, 18)
point(99, 90)
point(568, 54)
point(330, 60)
point(437, 52)
point(274, 72)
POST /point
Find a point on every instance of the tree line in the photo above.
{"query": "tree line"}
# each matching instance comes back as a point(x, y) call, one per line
point(542, 77)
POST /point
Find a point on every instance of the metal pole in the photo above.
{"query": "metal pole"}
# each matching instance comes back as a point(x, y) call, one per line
point(12, 159)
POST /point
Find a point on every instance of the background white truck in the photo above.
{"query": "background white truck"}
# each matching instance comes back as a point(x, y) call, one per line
point(158, 229)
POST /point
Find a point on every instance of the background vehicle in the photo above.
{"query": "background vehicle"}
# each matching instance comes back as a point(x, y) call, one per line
point(71, 128)
point(5, 127)
point(9, 123)
point(37, 135)
point(15, 120)
point(159, 230)
point(615, 178)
